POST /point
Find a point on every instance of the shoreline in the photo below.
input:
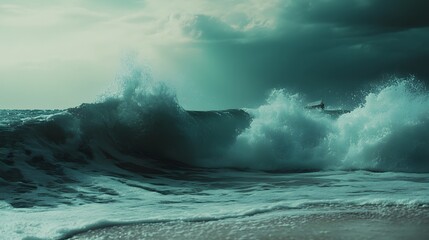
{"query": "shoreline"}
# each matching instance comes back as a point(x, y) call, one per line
point(391, 224)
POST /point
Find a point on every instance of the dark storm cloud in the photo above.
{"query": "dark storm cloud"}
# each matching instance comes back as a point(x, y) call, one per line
point(350, 43)
point(381, 15)
point(328, 47)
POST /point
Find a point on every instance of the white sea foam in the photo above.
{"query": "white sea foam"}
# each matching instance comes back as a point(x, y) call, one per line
point(388, 132)
point(225, 195)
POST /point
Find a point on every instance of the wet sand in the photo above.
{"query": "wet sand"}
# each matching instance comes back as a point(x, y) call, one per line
point(390, 224)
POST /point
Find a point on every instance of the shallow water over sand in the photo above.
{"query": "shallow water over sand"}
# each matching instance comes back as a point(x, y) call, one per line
point(358, 223)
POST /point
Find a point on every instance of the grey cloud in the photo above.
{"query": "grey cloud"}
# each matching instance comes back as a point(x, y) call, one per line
point(205, 27)
point(114, 4)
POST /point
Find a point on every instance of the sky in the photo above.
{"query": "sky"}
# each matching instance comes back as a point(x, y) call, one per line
point(215, 54)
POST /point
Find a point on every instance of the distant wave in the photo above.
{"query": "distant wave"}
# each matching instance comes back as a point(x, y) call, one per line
point(144, 129)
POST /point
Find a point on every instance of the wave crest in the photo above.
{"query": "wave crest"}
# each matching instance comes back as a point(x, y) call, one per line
point(144, 122)
point(388, 132)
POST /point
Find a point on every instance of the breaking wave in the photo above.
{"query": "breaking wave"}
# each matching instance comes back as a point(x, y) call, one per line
point(143, 128)
point(389, 131)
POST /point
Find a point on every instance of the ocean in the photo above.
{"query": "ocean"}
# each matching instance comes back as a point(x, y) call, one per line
point(137, 165)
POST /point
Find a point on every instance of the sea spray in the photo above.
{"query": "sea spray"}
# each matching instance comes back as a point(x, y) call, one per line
point(388, 132)
point(282, 136)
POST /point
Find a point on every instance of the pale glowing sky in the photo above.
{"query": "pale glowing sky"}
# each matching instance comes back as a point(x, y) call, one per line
point(216, 54)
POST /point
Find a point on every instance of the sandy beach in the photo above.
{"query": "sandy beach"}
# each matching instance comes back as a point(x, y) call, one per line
point(390, 224)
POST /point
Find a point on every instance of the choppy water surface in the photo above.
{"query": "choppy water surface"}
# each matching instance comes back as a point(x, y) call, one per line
point(139, 157)
point(101, 200)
